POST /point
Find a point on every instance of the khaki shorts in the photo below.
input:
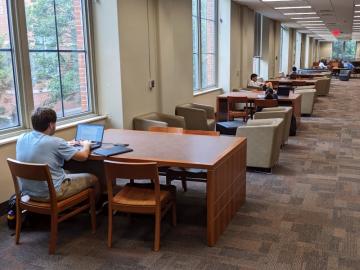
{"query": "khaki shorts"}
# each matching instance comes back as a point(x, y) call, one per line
point(73, 184)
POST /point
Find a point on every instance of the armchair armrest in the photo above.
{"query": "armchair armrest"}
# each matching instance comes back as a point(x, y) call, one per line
point(210, 112)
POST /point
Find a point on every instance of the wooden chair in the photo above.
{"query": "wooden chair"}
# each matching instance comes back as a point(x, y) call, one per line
point(41, 172)
point(166, 129)
point(265, 103)
point(139, 198)
point(189, 174)
point(233, 113)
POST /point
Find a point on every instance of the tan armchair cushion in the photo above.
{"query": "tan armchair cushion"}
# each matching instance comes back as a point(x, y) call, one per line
point(197, 116)
point(307, 100)
point(143, 122)
point(323, 87)
point(278, 112)
point(263, 141)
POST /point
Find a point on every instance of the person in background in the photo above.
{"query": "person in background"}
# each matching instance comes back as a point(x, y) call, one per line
point(254, 83)
point(322, 65)
point(348, 65)
point(293, 74)
point(40, 146)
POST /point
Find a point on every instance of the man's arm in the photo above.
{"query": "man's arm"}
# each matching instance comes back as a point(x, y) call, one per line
point(84, 153)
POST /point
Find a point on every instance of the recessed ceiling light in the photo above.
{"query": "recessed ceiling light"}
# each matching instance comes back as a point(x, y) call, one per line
point(300, 13)
point(277, 0)
point(296, 7)
point(357, 11)
point(357, 16)
point(314, 24)
point(310, 22)
point(305, 18)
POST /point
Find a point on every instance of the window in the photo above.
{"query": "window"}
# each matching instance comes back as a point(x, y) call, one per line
point(57, 44)
point(345, 50)
point(284, 55)
point(9, 116)
point(298, 50)
point(204, 22)
point(257, 43)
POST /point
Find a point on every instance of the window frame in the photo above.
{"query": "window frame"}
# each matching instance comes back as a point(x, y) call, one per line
point(22, 69)
point(199, 56)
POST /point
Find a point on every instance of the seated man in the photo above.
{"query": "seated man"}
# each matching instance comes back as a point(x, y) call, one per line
point(40, 146)
point(254, 83)
point(348, 65)
point(322, 65)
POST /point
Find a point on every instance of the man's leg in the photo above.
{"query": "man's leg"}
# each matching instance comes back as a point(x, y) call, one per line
point(78, 182)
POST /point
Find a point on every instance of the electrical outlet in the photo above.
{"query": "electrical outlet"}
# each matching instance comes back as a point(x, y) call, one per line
point(151, 84)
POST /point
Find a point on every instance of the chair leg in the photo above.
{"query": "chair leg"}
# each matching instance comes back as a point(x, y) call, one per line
point(184, 184)
point(92, 210)
point(53, 233)
point(110, 225)
point(168, 180)
point(173, 213)
point(18, 224)
point(157, 229)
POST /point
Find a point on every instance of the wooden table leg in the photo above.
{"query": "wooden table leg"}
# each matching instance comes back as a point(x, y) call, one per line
point(226, 192)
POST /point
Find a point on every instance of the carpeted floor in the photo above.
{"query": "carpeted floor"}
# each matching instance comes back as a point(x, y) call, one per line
point(306, 215)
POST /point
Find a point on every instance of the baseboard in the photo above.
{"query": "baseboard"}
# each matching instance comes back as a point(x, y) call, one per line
point(3, 208)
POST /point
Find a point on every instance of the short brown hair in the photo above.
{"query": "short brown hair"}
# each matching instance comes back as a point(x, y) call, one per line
point(42, 117)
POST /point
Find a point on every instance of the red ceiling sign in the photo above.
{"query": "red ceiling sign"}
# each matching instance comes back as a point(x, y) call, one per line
point(336, 32)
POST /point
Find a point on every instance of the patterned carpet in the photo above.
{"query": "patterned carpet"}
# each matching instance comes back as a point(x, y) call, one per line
point(306, 215)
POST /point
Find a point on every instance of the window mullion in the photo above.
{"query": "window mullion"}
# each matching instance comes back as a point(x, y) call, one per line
point(22, 59)
point(199, 46)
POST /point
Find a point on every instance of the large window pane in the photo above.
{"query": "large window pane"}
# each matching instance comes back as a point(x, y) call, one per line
point(41, 24)
point(74, 78)
point(208, 38)
point(46, 80)
point(69, 24)
point(58, 55)
point(208, 71)
point(345, 50)
point(204, 44)
point(9, 116)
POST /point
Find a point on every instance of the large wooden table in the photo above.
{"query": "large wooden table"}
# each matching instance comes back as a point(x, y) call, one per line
point(292, 82)
point(293, 99)
point(313, 75)
point(223, 157)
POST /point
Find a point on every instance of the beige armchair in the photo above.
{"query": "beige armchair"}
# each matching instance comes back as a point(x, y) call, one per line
point(323, 87)
point(145, 121)
point(307, 100)
point(197, 116)
point(278, 112)
point(263, 141)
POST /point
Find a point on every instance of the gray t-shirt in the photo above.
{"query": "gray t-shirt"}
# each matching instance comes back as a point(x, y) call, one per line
point(37, 147)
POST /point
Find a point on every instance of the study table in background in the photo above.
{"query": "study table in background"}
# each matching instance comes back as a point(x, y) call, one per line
point(293, 100)
point(292, 82)
point(223, 157)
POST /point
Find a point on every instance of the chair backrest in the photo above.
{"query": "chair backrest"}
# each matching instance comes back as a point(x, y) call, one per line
point(166, 129)
point(202, 132)
point(31, 171)
point(232, 100)
point(184, 131)
point(144, 170)
point(266, 103)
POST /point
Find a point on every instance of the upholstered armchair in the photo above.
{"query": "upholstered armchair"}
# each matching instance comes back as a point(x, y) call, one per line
point(322, 87)
point(263, 141)
point(145, 121)
point(307, 100)
point(278, 112)
point(197, 116)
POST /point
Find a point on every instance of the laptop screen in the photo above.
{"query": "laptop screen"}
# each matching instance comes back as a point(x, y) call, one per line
point(89, 132)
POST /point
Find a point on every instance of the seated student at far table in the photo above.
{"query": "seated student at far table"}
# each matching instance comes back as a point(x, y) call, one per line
point(253, 82)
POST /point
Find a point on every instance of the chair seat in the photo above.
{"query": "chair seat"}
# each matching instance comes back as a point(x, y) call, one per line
point(188, 170)
point(139, 196)
point(62, 204)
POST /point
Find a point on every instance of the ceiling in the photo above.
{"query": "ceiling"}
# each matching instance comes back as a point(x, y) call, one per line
point(329, 15)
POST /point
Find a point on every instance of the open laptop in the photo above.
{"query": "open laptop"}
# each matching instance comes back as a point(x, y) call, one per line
point(90, 132)
point(284, 90)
